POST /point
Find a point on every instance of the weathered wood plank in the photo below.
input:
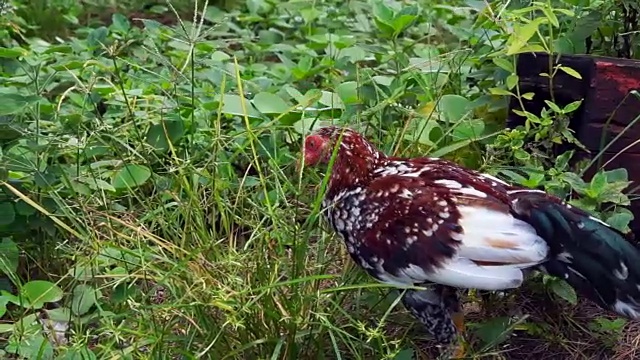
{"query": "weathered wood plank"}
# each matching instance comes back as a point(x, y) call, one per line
point(606, 87)
point(609, 106)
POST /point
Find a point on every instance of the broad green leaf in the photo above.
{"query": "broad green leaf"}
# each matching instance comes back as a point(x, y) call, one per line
point(620, 221)
point(7, 213)
point(571, 107)
point(268, 103)
point(532, 48)
point(564, 290)
point(12, 53)
point(405, 354)
point(383, 13)
point(553, 106)
point(120, 22)
point(24, 209)
point(504, 64)
point(493, 331)
point(59, 314)
point(32, 346)
point(84, 297)
point(232, 105)
point(383, 80)
point(512, 81)
point(551, 16)
point(459, 145)
point(167, 131)
point(469, 129)
point(331, 100)
point(450, 148)
point(454, 107)
point(39, 292)
point(570, 72)
point(5, 328)
point(9, 257)
point(3, 306)
point(522, 34)
point(82, 353)
point(13, 103)
point(500, 92)
point(402, 22)
point(598, 183)
point(59, 49)
point(616, 175)
point(131, 176)
point(348, 92)
point(422, 131)
point(575, 181)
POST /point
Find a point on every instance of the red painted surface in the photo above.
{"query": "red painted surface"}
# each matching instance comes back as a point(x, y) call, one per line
point(620, 74)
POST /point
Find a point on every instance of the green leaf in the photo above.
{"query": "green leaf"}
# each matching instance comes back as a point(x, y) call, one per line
point(512, 81)
point(131, 176)
point(12, 53)
point(59, 49)
point(38, 292)
point(553, 106)
point(9, 257)
point(617, 175)
point(564, 290)
point(500, 92)
point(82, 353)
point(528, 96)
point(84, 297)
point(268, 103)
point(522, 34)
point(120, 22)
point(383, 13)
point(598, 183)
point(232, 105)
point(563, 160)
point(575, 181)
point(532, 48)
point(405, 354)
point(459, 145)
point(504, 64)
point(3, 306)
point(13, 103)
point(470, 129)
point(571, 107)
point(7, 213)
point(620, 221)
point(402, 22)
point(332, 100)
point(454, 107)
point(570, 72)
point(422, 131)
point(24, 209)
point(32, 346)
point(166, 132)
point(59, 314)
point(348, 92)
point(383, 17)
point(548, 12)
point(493, 331)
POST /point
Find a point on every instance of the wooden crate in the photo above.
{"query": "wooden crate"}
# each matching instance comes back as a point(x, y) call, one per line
point(608, 107)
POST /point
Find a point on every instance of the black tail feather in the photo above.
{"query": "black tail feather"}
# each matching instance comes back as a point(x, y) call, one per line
point(590, 255)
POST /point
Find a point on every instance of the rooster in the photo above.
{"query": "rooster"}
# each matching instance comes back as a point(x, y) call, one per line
point(427, 221)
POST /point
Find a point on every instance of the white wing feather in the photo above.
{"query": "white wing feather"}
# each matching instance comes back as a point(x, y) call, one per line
point(491, 236)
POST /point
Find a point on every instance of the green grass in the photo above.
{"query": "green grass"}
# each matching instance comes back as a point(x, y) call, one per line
point(148, 174)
